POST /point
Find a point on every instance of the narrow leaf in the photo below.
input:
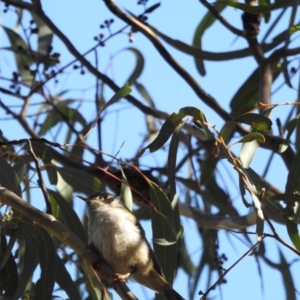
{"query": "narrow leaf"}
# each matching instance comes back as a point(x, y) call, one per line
point(294, 29)
point(65, 281)
point(257, 121)
point(286, 197)
point(247, 152)
point(260, 217)
point(80, 181)
point(69, 214)
point(123, 92)
point(253, 136)
point(8, 177)
point(259, 9)
point(171, 124)
point(163, 229)
point(47, 257)
point(293, 179)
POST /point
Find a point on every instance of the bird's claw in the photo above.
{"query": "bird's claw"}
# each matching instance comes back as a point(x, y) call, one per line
point(120, 277)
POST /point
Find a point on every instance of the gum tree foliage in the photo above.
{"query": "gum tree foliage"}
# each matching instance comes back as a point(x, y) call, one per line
point(57, 152)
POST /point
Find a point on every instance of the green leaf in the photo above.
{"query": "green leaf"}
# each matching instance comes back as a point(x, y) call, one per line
point(66, 113)
point(121, 93)
point(290, 127)
point(45, 35)
point(8, 273)
point(293, 179)
point(172, 157)
point(294, 29)
point(247, 152)
point(246, 98)
point(259, 217)
point(293, 232)
point(253, 136)
point(22, 55)
point(259, 8)
point(126, 195)
point(171, 124)
point(65, 281)
point(28, 258)
point(8, 177)
point(44, 152)
point(286, 197)
point(70, 216)
point(227, 131)
point(206, 22)
point(163, 229)
point(257, 121)
point(140, 62)
point(80, 181)
point(217, 56)
point(47, 257)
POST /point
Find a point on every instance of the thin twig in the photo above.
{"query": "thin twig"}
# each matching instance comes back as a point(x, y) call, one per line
point(278, 238)
point(40, 180)
point(231, 267)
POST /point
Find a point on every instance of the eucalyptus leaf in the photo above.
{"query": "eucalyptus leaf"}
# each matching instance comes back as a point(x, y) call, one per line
point(80, 181)
point(256, 121)
point(257, 9)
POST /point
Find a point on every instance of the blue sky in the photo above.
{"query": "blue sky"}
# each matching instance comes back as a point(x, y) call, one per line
point(80, 22)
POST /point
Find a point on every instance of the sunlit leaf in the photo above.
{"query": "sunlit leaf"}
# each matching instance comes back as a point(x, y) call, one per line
point(126, 195)
point(259, 216)
point(163, 229)
point(80, 181)
point(121, 93)
point(45, 35)
point(247, 152)
point(294, 29)
point(253, 136)
point(171, 124)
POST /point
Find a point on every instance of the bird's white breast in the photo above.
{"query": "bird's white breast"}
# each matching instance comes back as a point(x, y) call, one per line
point(114, 233)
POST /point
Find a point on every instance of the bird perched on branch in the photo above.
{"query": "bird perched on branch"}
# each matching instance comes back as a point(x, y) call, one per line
point(116, 234)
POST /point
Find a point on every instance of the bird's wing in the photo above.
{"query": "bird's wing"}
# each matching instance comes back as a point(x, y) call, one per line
point(156, 264)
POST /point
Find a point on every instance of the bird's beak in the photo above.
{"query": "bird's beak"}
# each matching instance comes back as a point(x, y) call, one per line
point(83, 198)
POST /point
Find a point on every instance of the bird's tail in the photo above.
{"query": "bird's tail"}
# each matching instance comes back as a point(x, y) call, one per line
point(172, 295)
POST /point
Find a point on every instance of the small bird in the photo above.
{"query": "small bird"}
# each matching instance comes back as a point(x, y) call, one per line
point(116, 234)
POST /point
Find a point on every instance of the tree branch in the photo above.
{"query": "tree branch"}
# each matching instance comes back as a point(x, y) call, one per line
point(66, 236)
